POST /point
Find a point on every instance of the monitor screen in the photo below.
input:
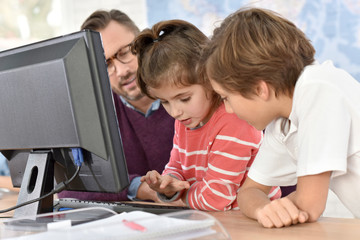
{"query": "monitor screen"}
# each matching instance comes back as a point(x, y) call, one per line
point(55, 96)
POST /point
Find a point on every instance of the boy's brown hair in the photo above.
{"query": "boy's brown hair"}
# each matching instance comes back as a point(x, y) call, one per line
point(255, 44)
point(169, 53)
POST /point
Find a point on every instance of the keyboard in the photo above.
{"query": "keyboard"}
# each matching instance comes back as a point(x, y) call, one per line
point(119, 207)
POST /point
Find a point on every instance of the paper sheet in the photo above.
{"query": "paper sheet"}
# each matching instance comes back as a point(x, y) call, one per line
point(157, 227)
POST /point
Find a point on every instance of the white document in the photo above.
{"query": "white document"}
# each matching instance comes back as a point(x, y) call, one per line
point(131, 225)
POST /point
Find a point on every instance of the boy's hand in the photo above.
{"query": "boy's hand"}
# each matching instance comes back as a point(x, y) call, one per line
point(280, 213)
point(164, 184)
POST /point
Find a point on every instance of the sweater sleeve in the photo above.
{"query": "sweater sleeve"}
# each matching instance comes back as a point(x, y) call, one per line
point(174, 165)
point(215, 160)
point(229, 158)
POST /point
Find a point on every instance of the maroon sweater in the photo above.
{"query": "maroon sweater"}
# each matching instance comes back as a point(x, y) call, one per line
point(147, 144)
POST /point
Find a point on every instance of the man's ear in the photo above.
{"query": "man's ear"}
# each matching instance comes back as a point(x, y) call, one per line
point(263, 90)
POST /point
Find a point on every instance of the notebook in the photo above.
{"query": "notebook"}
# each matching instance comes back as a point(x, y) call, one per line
point(134, 225)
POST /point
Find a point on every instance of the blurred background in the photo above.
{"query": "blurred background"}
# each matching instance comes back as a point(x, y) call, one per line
point(333, 26)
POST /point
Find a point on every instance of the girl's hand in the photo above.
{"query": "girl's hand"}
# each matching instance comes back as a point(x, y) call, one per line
point(280, 213)
point(164, 184)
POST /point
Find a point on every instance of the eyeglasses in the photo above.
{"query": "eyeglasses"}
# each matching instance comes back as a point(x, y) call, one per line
point(124, 56)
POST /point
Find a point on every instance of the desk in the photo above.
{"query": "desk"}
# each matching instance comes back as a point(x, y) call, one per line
point(243, 228)
point(9, 199)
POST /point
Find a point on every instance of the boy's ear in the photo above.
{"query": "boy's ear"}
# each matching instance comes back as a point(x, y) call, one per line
point(263, 90)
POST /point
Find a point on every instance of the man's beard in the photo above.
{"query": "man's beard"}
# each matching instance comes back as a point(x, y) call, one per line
point(136, 97)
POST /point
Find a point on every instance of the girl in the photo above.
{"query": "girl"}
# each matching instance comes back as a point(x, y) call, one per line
point(212, 150)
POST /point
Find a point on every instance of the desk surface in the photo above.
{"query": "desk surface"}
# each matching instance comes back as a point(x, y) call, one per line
point(241, 227)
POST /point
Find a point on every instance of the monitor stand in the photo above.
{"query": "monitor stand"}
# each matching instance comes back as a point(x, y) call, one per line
point(37, 181)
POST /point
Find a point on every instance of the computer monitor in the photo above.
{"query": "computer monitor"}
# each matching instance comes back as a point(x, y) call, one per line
point(55, 95)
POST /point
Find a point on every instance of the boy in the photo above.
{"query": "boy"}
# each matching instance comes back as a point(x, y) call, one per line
point(263, 67)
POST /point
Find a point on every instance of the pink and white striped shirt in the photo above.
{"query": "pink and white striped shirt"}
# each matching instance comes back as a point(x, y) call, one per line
point(215, 160)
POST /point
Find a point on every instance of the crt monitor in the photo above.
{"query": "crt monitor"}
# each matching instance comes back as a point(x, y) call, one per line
point(55, 96)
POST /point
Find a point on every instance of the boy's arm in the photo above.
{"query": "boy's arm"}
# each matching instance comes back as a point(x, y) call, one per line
point(306, 204)
point(253, 201)
point(311, 194)
point(251, 197)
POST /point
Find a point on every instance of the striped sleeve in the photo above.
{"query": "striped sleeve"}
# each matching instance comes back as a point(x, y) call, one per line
point(174, 166)
point(229, 159)
point(215, 160)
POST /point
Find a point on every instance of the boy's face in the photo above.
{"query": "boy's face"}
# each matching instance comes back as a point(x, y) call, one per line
point(255, 111)
point(188, 104)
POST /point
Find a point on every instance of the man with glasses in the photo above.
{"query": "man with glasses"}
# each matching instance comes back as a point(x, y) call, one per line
point(146, 129)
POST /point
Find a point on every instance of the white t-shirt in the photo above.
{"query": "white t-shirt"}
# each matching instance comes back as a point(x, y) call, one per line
point(323, 134)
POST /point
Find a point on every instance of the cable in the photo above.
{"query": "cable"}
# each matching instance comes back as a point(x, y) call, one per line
point(58, 188)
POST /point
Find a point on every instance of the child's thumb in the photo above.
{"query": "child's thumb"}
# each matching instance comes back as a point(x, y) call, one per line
point(303, 216)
